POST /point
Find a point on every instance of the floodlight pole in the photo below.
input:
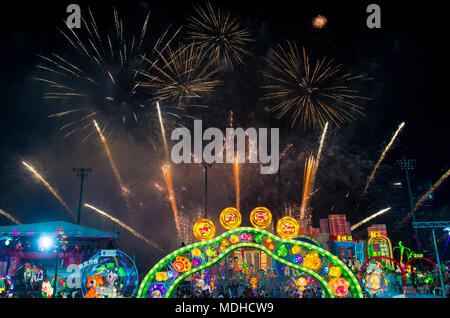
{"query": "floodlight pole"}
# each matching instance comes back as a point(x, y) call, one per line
point(444, 295)
point(81, 172)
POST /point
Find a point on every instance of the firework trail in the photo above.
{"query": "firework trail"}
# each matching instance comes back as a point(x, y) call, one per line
point(123, 225)
point(313, 93)
point(10, 217)
point(319, 155)
point(167, 174)
point(369, 218)
point(163, 133)
point(168, 179)
point(221, 35)
point(307, 186)
point(386, 150)
point(123, 188)
point(425, 197)
point(236, 182)
point(49, 187)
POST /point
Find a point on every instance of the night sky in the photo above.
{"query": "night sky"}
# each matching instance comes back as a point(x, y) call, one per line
point(407, 59)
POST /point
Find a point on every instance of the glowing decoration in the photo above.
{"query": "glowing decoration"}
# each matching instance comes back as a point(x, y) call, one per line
point(196, 252)
point(271, 247)
point(298, 259)
point(225, 242)
point(259, 238)
point(282, 251)
point(260, 217)
point(380, 245)
point(296, 249)
point(47, 289)
point(93, 284)
point(375, 280)
point(335, 271)
point(339, 286)
point(234, 239)
point(300, 282)
point(212, 252)
point(204, 230)
point(110, 274)
point(182, 264)
point(204, 282)
point(6, 285)
point(230, 218)
point(196, 261)
point(157, 291)
point(161, 276)
point(255, 280)
point(288, 227)
point(312, 261)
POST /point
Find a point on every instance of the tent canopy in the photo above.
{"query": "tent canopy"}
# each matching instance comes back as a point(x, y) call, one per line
point(48, 228)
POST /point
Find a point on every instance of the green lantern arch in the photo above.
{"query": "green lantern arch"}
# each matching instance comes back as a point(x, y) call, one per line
point(164, 278)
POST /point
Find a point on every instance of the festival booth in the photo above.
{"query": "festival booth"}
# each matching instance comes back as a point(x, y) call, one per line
point(28, 252)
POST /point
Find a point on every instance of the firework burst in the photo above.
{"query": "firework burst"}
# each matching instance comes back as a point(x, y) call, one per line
point(97, 78)
point(313, 93)
point(186, 72)
point(319, 22)
point(223, 36)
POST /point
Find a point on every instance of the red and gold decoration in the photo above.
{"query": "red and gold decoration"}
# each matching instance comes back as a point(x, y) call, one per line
point(339, 286)
point(288, 227)
point(182, 264)
point(230, 218)
point(260, 217)
point(204, 230)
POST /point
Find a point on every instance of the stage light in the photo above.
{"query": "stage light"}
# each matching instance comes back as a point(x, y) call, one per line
point(45, 242)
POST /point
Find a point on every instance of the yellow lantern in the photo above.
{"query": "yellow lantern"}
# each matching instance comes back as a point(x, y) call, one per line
point(204, 230)
point(230, 218)
point(288, 228)
point(260, 217)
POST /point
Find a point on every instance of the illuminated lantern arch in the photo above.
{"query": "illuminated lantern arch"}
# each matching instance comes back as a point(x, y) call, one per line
point(259, 239)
